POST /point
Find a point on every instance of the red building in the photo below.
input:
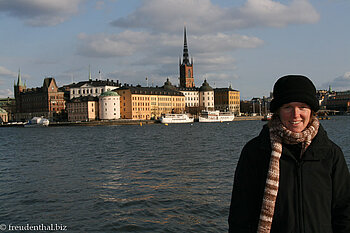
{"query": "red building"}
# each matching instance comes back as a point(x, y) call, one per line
point(45, 101)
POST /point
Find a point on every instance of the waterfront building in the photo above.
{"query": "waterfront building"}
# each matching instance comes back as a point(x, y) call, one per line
point(3, 116)
point(186, 67)
point(149, 102)
point(109, 105)
point(84, 108)
point(339, 101)
point(227, 99)
point(206, 97)
point(191, 96)
point(46, 101)
point(91, 87)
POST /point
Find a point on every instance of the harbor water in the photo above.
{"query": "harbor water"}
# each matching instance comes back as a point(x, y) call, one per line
point(131, 178)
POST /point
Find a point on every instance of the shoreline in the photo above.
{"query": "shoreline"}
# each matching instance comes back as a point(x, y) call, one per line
point(122, 122)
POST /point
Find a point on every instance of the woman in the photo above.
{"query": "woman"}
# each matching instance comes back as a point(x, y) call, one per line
point(292, 177)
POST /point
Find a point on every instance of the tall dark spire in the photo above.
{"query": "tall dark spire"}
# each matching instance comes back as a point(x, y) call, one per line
point(19, 79)
point(185, 59)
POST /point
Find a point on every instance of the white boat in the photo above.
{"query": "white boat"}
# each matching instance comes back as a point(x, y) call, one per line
point(175, 118)
point(267, 117)
point(37, 122)
point(215, 116)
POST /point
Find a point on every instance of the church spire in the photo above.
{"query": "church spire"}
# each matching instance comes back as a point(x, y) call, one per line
point(185, 59)
point(19, 79)
point(186, 68)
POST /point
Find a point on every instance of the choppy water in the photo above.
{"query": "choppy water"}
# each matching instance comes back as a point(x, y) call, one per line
point(154, 178)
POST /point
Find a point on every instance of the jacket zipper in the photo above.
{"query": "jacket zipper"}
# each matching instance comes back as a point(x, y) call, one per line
point(300, 198)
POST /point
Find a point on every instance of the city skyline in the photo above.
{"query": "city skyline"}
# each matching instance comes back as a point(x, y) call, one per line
point(246, 44)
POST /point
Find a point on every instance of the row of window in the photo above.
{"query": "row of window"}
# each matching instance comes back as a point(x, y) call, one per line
point(139, 98)
point(190, 93)
point(107, 104)
point(106, 109)
point(140, 109)
point(140, 116)
point(192, 105)
point(191, 98)
point(140, 104)
point(87, 91)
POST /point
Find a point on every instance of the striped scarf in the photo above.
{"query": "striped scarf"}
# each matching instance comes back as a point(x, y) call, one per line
point(278, 134)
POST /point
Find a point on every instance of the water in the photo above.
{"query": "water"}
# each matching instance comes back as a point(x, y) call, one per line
point(154, 178)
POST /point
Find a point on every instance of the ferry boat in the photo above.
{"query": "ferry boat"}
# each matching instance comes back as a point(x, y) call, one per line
point(37, 122)
point(175, 118)
point(215, 116)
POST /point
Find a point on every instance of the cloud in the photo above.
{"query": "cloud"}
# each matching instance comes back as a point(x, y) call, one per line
point(41, 12)
point(152, 38)
point(6, 73)
point(203, 15)
point(341, 83)
point(4, 93)
point(156, 55)
point(6, 79)
point(123, 44)
point(275, 14)
point(128, 43)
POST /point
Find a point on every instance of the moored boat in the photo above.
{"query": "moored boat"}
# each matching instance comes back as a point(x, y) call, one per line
point(215, 116)
point(267, 117)
point(37, 122)
point(176, 118)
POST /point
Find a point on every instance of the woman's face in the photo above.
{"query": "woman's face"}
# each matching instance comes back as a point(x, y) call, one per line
point(295, 116)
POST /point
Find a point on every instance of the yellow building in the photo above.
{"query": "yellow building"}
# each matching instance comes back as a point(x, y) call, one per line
point(227, 99)
point(143, 103)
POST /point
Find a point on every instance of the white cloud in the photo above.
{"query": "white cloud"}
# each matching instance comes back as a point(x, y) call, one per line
point(157, 54)
point(6, 73)
point(123, 44)
point(128, 43)
point(41, 12)
point(275, 14)
point(4, 93)
point(341, 83)
point(7, 78)
point(202, 15)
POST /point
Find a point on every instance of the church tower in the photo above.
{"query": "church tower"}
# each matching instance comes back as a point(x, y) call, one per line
point(186, 67)
point(18, 89)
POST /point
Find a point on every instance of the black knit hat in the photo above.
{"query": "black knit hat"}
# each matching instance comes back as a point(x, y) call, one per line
point(294, 88)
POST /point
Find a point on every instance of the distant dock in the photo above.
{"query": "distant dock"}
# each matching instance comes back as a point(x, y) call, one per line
point(248, 118)
point(122, 122)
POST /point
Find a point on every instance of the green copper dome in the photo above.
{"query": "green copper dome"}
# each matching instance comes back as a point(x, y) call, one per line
point(205, 86)
point(109, 93)
point(168, 85)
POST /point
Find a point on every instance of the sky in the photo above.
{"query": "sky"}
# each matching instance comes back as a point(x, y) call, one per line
point(247, 44)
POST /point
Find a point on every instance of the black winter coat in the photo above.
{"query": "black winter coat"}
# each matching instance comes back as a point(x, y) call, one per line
point(314, 191)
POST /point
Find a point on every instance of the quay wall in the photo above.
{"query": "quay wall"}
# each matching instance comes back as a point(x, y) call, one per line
point(123, 122)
